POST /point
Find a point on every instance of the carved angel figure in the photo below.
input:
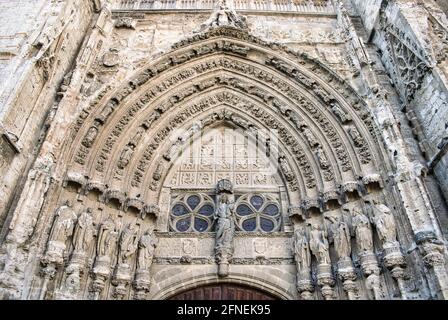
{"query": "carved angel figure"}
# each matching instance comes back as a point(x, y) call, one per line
point(344, 117)
point(90, 137)
point(302, 252)
point(108, 109)
point(363, 230)
point(322, 157)
point(286, 169)
point(128, 243)
point(172, 151)
point(146, 248)
point(299, 122)
point(151, 119)
point(384, 222)
point(126, 156)
point(137, 137)
point(319, 244)
point(310, 137)
point(356, 136)
point(84, 230)
point(107, 238)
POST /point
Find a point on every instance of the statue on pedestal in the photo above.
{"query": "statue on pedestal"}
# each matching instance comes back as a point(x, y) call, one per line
point(225, 226)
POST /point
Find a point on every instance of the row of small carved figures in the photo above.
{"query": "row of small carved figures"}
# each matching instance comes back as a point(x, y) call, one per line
point(314, 238)
point(67, 224)
point(81, 230)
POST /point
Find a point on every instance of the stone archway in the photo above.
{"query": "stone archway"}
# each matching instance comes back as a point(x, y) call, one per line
point(223, 291)
point(109, 177)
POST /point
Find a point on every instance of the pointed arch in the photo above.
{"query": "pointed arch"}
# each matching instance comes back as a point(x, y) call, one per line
point(322, 123)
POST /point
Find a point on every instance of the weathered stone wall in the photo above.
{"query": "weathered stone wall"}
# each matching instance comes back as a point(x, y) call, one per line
point(129, 86)
point(38, 53)
point(423, 93)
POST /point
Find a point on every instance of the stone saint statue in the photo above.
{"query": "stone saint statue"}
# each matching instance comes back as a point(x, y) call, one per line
point(225, 228)
point(107, 238)
point(341, 237)
point(319, 244)
point(363, 230)
point(63, 225)
point(384, 222)
point(302, 252)
point(128, 244)
point(84, 230)
point(146, 247)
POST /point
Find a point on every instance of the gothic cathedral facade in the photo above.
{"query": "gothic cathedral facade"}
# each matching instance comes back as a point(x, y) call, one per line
point(246, 149)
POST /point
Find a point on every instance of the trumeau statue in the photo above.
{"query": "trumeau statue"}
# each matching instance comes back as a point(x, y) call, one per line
point(302, 252)
point(128, 243)
point(319, 244)
point(225, 226)
point(363, 230)
point(384, 222)
point(146, 248)
point(84, 231)
point(107, 238)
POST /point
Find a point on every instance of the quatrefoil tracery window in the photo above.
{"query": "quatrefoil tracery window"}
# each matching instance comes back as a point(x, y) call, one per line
point(253, 213)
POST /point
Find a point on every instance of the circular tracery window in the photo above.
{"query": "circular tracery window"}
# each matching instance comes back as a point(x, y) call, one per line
point(192, 213)
point(258, 213)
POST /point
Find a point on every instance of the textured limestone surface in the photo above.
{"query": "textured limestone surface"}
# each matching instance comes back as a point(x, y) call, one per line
point(298, 148)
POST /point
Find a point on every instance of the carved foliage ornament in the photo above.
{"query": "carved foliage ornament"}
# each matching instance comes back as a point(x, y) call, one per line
point(410, 63)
